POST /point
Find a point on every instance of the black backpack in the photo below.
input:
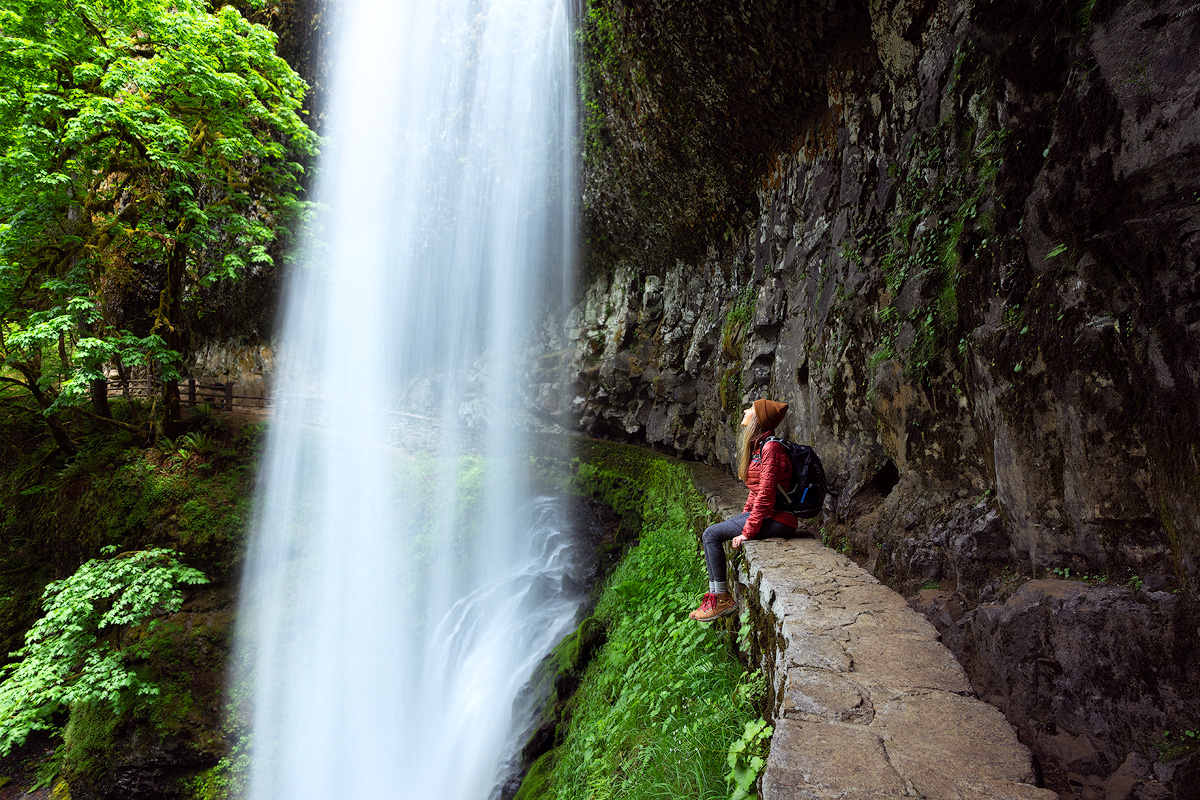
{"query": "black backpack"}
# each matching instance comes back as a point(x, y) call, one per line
point(807, 492)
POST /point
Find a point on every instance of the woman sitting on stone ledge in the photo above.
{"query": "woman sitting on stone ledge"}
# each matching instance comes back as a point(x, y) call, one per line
point(762, 465)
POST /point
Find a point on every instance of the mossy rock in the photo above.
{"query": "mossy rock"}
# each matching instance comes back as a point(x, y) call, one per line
point(157, 746)
point(575, 651)
point(536, 783)
point(89, 742)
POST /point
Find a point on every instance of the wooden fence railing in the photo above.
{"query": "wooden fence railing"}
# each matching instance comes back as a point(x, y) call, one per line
point(191, 393)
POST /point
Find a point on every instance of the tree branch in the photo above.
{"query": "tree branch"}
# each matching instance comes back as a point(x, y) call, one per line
point(87, 23)
point(116, 423)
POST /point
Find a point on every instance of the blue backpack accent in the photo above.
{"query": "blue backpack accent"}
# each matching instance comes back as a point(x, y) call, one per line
point(807, 492)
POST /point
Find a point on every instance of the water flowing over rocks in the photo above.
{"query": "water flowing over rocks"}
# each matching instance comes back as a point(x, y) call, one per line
point(444, 221)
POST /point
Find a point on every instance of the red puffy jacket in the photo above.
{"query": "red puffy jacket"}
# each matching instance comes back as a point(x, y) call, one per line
point(769, 466)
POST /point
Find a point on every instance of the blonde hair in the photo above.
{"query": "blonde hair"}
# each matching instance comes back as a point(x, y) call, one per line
point(745, 451)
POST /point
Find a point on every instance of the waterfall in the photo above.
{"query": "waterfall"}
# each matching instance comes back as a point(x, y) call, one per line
point(403, 578)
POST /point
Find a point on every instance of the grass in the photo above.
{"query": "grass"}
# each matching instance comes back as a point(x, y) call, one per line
point(665, 700)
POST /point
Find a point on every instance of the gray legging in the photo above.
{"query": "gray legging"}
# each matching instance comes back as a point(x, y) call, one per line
point(717, 535)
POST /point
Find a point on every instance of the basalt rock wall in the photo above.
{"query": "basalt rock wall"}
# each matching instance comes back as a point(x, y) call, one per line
point(962, 241)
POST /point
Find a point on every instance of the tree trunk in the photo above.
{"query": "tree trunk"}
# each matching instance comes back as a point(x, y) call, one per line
point(100, 399)
point(61, 439)
point(123, 377)
point(64, 364)
point(172, 414)
point(176, 261)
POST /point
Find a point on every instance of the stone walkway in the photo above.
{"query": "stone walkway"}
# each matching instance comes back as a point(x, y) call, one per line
point(867, 702)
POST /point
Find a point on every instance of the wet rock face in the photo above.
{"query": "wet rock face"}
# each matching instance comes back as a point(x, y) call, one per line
point(973, 271)
point(690, 102)
point(977, 265)
point(250, 367)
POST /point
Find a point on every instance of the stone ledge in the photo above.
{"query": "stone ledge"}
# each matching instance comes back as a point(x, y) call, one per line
point(867, 702)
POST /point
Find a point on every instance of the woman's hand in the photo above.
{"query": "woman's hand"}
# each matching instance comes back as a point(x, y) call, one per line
point(737, 541)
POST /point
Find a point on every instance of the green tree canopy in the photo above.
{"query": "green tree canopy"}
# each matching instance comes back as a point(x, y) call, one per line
point(146, 146)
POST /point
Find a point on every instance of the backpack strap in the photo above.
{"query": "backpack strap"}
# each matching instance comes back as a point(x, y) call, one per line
point(780, 489)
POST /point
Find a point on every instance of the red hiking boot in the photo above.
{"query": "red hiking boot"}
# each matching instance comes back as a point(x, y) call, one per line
point(714, 606)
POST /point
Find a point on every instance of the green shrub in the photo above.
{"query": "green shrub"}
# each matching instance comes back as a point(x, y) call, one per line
point(72, 654)
point(1177, 744)
point(747, 757)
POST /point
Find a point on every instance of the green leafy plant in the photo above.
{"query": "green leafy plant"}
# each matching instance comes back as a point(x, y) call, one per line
point(73, 654)
point(884, 352)
point(1084, 16)
point(939, 217)
point(745, 628)
point(747, 757)
point(835, 541)
point(730, 390)
point(850, 252)
point(1066, 574)
point(737, 321)
point(1177, 745)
